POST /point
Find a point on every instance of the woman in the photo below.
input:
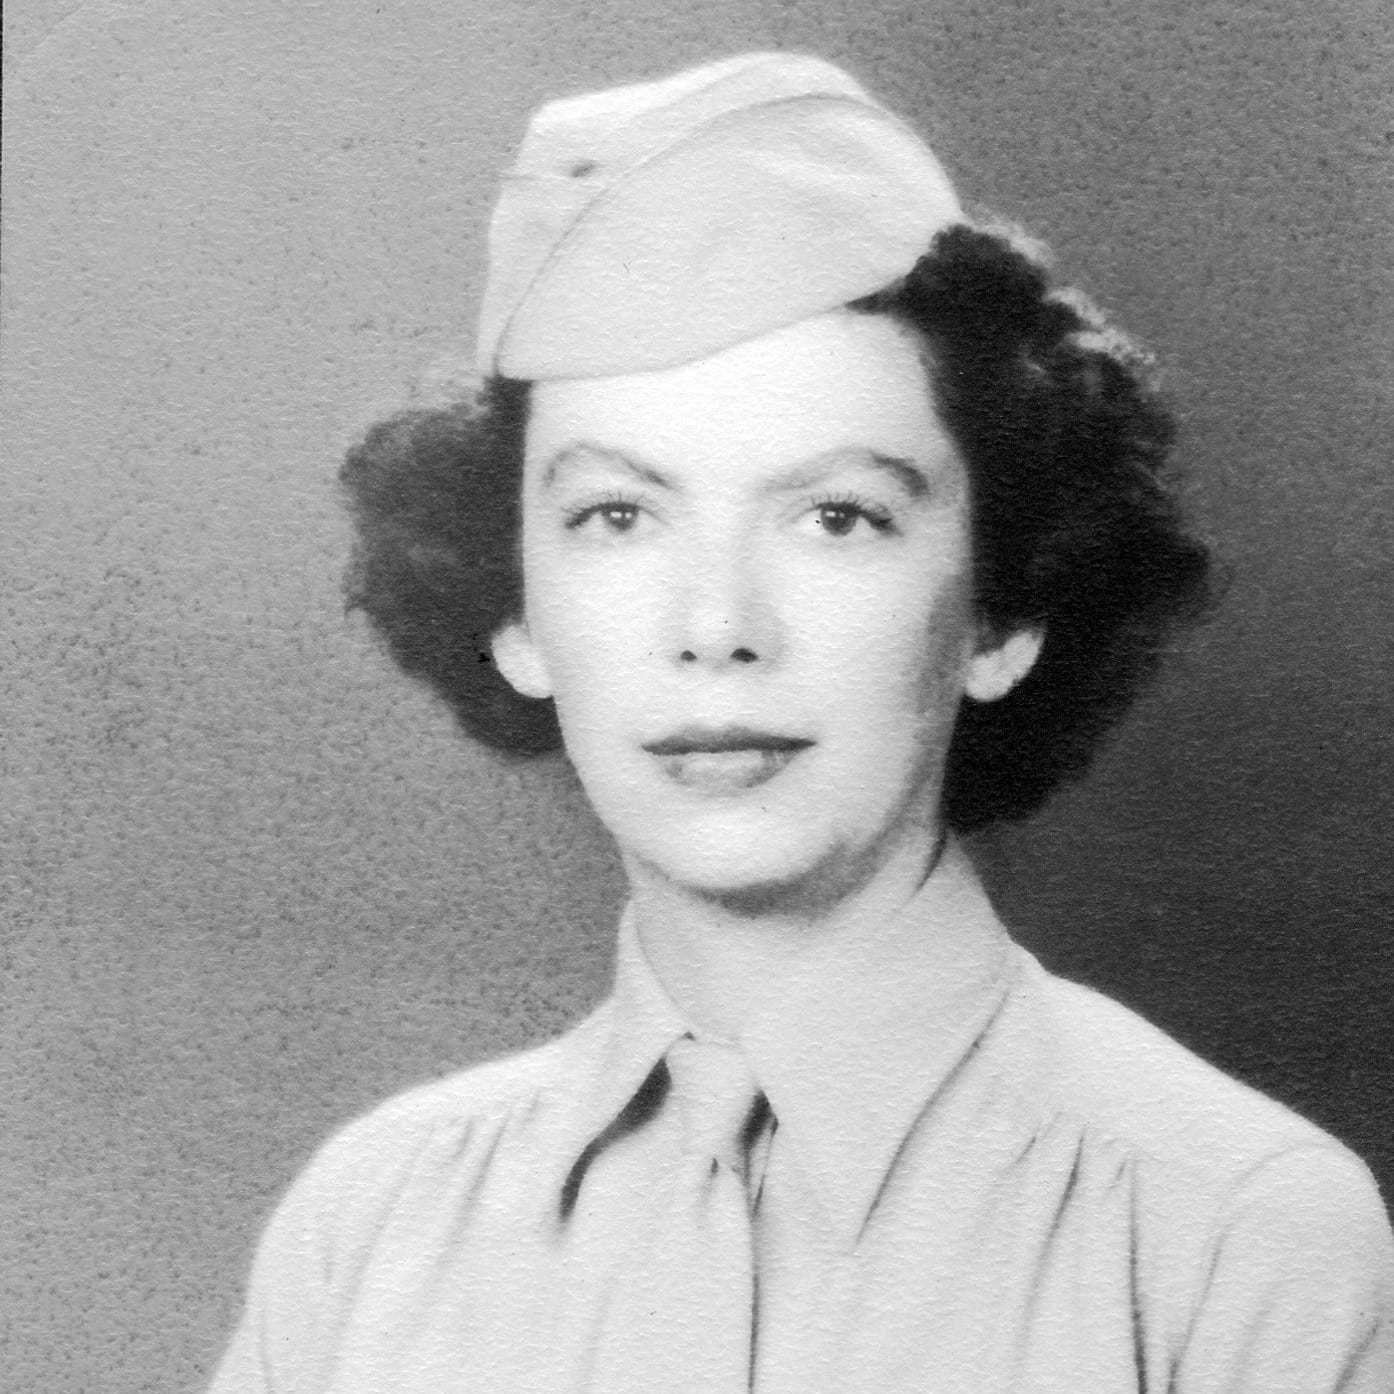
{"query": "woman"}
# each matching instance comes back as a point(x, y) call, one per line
point(819, 530)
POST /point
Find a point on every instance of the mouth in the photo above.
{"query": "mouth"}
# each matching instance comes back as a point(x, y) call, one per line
point(724, 760)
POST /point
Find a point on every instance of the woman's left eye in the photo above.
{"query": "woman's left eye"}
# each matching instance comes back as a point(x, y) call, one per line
point(840, 517)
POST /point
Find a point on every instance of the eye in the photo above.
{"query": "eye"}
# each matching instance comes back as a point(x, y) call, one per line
point(610, 515)
point(842, 517)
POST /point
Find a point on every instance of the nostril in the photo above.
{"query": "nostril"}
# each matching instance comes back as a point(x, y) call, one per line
point(741, 655)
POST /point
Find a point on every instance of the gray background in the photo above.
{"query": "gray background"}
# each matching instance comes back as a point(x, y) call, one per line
point(253, 881)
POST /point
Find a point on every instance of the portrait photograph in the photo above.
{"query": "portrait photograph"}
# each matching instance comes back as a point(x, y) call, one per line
point(698, 698)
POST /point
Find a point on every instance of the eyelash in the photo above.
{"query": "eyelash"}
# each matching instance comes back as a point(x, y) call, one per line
point(879, 518)
point(583, 513)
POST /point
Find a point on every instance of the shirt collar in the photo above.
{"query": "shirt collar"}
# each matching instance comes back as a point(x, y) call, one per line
point(642, 1022)
point(863, 1035)
point(856, 1043)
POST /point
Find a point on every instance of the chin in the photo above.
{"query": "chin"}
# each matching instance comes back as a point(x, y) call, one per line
point(750, 864)
point(802, 840)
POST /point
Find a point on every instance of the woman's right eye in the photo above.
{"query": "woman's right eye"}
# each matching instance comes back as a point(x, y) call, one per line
point(611, 515)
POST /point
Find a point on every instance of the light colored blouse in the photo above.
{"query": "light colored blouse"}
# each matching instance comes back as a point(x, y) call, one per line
point(975, 1178)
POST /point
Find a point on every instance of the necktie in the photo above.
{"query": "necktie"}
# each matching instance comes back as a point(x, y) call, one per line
point(681, 1318)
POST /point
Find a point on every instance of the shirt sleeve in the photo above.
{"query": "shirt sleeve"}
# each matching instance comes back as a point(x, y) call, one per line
point(281, 1344)
point(309, 1254)
point(1300, 1297)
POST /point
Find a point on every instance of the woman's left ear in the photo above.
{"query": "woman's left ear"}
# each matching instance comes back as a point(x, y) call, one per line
point(1000, 664)
point(519, 661)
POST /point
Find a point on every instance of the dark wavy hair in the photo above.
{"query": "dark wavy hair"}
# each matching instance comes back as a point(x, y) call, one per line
point(1076, 523)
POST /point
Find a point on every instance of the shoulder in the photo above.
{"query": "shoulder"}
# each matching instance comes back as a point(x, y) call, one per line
point(476, 1099)
point(1278, 1227)
point(474, 1096)
point(1207, 1140)
point(1120, 1074)
point(404, 1154)
point(389, 1192)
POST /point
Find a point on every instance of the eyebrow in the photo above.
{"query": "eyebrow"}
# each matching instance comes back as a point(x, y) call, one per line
point(910, 475)
point(583, 451)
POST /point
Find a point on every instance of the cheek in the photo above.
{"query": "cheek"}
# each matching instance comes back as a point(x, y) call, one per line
point(587, 631)
point(895, 646)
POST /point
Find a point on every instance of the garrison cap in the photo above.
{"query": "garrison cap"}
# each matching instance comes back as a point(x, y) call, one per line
point(653, 224)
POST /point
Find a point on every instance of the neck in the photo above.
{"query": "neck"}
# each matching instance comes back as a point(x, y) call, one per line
point(721, 957)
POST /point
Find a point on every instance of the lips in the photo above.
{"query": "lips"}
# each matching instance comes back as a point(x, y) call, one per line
point(719, 740)
point(726, 759)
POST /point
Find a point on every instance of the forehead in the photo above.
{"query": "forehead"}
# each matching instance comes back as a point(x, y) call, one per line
point(837, 381)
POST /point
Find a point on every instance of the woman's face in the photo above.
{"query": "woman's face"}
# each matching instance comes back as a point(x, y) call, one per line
point(747, 587)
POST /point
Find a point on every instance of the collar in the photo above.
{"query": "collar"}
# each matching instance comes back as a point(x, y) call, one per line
point(862, 1036)
point(639, 1022)
point(856, 1042)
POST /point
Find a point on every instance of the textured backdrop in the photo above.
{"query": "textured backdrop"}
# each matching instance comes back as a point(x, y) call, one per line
point(253, 882)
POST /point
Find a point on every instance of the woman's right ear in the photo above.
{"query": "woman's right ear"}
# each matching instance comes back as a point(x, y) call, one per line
point(519, 661)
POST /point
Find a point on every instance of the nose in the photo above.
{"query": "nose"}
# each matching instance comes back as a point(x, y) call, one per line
point(723, 611)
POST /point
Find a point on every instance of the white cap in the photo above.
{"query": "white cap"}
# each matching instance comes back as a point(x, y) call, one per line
point(651, 225)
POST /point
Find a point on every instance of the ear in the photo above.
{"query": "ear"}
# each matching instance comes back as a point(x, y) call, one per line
point(1001, 663)
point(519, 660)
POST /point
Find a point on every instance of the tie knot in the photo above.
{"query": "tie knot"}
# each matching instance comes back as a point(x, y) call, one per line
point(715, 1092)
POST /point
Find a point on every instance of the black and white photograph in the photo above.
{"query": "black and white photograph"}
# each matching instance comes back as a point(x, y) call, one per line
point(698, 698)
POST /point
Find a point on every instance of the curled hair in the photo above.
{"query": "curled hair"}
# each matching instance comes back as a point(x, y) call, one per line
point(436, 502)
point(1075, 523)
